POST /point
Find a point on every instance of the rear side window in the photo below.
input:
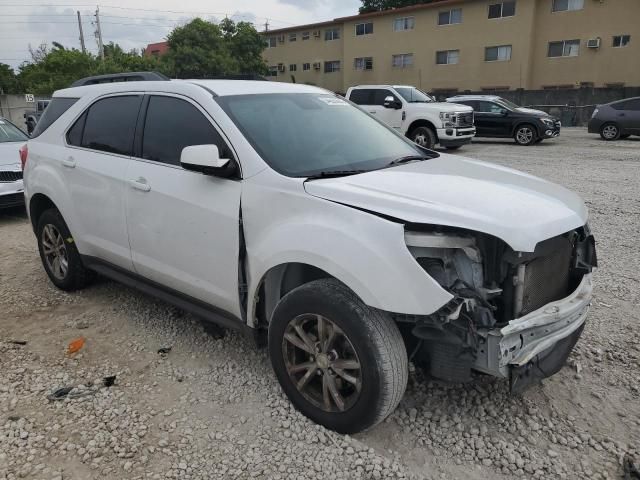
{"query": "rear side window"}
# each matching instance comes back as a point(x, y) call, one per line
point(361, 97)
point(628, 105)
point(56, 108)
point(171, 125)
point(109, 125)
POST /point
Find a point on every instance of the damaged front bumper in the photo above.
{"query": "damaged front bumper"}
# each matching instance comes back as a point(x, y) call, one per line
point(517, 350)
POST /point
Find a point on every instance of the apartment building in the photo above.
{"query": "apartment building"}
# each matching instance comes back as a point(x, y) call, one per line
point(458, 45)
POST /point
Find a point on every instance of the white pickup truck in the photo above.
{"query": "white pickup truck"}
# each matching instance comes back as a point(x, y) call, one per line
point(416, 114)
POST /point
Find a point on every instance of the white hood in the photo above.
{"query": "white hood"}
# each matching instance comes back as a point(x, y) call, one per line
point(10, 155)
point(443, 107)
point(451, 191)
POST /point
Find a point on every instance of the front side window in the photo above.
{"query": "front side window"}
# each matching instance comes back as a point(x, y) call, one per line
point(363, 63)
point(364, 29)
point(52, 112)
point(413, 95)
point(345, 137)
point(447, 57)
point(109, 125)
point(10, 133)
point(497, 54)
point(403, 24)
point(450, 17)
point(564, 48)
point(567, 5)
point(404, 60)
point(621, 41)
point(333, 66)
point(502, 9)
point(171, 125)
point(333, 34)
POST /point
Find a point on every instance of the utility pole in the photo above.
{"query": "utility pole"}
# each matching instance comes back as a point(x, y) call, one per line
point(99, 34)
point(84, 50)
point(266, 25)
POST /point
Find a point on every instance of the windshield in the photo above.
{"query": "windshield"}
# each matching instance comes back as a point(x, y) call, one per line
point(508, 104)
point(11, 133)
point(413, 95)
point(305, 134)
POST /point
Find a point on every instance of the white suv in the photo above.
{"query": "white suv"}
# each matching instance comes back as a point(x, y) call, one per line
point(417, 115)
point(347, 248)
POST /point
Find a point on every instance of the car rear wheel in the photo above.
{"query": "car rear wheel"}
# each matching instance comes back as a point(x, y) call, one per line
point(525, 135)
point(58, 252)
point(424, 136)
point(609, 132)
point(341, 363)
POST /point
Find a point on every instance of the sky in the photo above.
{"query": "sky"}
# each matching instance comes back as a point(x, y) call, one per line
point(136, 23)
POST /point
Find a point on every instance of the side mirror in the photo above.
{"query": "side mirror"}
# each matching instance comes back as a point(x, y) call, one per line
point(504, 112)
point(206, 159)
point(390, 102)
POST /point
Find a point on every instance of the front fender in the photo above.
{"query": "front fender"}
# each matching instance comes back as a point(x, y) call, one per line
point(365, 252)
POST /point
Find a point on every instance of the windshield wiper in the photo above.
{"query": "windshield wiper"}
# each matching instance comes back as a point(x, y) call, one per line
point(407, 159)
point(335, 174)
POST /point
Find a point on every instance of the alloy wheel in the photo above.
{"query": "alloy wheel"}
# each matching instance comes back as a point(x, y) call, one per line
point(55, 251)
point(421, 139)
point(525, 135)
point(322, 363)
point(610, 132)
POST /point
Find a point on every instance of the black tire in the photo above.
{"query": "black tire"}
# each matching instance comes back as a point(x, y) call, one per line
point(374, 338)
point(453, 147)
point(75, 276)
point(525, 135)
point(610, 132)
point(424, 136)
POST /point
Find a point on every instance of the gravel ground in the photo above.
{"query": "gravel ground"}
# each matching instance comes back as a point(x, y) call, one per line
point(211, 408)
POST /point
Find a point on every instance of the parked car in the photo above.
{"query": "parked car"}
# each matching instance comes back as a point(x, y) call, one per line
point(416, 115)
point(616, 120)
point(11, 188)
point(344, 249)
point(31, 117)
point(497, 117)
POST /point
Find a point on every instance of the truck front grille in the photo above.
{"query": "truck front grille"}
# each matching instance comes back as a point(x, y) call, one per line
point(465, 119)
point(10, 176)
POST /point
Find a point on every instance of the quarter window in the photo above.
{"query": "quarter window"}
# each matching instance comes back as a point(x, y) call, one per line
point(447, 57)
point(404, 60)
point(450, 17)
point(567, 5)
point(363, 63)
point(403, 24)
point(333, 34)
point(564, 48)
point(502, 9)
point(621, 40)
point(361, 96)
point(333, 66)
point(488, 107)
point(497, 54)
point(52, 112)
point(171, 125)
point(364, 29)
point(110, 124)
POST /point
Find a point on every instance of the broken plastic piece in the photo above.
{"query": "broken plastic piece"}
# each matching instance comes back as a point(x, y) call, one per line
point(75, 345)
point(17, 342)
point(59, 394)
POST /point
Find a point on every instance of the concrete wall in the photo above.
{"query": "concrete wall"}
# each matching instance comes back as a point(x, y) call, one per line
point(13, 108)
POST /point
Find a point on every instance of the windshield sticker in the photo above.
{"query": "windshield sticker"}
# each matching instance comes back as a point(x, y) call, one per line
point(333, 101)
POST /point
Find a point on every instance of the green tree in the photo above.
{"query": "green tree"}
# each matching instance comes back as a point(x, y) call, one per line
point(8, 79)
point(377, 5)
point(54, 70)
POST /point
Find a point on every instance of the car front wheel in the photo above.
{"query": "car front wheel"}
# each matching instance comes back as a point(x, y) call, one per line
point(525, 135)
point(424, 136)
point(609, 132)
point(341, 363)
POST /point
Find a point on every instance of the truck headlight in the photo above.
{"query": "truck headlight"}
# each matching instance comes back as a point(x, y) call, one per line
point(449, 119)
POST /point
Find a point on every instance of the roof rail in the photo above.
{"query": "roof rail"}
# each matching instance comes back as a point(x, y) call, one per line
point(121, 77)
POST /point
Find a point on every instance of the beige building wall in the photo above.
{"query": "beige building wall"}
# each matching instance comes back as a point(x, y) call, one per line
point(528, 33)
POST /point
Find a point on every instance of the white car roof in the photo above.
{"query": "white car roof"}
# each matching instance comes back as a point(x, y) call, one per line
point(217, 87)
point(357, 87)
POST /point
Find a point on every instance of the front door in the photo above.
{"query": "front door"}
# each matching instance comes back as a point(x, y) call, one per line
point(390, 116)
point(183, 226)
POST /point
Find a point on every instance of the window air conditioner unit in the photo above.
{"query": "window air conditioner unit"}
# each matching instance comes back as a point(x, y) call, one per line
point(317, 65)
point(281, 38)
point(593, 43)
point(281, 67)
point(316, 33)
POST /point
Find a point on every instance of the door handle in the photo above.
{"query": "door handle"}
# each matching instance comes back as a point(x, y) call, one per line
point(140, 184)
point(69, 162)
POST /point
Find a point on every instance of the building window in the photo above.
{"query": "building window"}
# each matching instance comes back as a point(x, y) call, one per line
point(497, 54)
point(565, 48)
point(293, 67)
point(272, 42)
point(363, 63)
point(403, 60)
point(293, 37)
point(364, 29)
point(405, 23)
point(621, 41)
point(333, 34)
point(567, 5)
point(306, 67)
point(306, 35)
point(447, 57)
point(333, 66)
point(450, 17)
point(273, 71)
point(502, 9)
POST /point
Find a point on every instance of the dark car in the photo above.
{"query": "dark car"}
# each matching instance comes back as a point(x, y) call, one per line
point(496, 117)
point(616, 120)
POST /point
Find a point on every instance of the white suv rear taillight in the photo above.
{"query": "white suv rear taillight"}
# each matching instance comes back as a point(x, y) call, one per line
point(24, 154)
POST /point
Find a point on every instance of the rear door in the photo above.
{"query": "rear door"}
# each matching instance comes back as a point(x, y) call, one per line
point(183, 226)
point(490, 119)
point(101, 142)
point(630, 116)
